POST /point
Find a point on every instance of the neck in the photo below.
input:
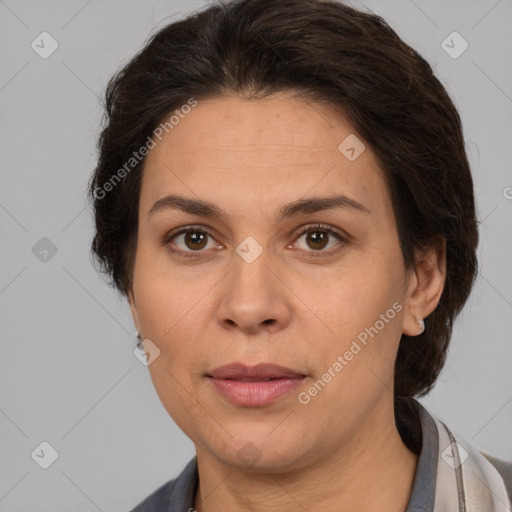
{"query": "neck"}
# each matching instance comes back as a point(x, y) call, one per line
point(373, 470)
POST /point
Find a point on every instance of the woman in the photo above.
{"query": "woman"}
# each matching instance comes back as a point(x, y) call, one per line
point(284, 197)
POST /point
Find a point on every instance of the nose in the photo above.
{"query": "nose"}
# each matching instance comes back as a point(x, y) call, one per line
point(254, 296)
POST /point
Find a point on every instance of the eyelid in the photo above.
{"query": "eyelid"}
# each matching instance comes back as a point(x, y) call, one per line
point(185, 229)
point(323, 227)
point(342, 237)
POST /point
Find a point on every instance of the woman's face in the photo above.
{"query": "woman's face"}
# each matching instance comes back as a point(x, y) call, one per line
point(250, 286)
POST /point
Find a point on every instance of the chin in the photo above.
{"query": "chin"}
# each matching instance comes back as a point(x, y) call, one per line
point(263, 453)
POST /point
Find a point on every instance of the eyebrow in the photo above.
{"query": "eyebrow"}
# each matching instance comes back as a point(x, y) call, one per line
point(302, 206)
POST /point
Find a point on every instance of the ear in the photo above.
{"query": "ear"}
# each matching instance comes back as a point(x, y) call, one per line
point(133, 308)
point(425, 285)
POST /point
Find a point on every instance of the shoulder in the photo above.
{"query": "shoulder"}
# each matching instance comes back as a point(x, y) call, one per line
point(481, 469)
point(504, 468)
point(176, 494)
point(159, 500)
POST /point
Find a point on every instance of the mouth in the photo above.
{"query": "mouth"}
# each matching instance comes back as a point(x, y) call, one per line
point(260, 372)
point(255, 386)
point(255, 379)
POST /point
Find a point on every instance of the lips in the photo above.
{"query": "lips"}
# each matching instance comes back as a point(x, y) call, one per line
point(263, 371)
point(254, 386)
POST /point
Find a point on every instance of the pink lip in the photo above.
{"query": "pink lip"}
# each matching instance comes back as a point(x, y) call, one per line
point(251, 387)
point(261, 371)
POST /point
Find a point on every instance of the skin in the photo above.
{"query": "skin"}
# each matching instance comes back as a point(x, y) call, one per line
point(341, 451)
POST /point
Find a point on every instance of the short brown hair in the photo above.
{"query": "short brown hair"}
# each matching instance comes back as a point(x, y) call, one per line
point(332, 53)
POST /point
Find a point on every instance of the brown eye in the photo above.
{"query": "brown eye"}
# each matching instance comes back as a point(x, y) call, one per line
point(317, 238)
point(195, 240)
point(189, 241)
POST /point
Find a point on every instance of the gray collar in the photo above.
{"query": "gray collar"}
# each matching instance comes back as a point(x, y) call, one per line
point(424, 486)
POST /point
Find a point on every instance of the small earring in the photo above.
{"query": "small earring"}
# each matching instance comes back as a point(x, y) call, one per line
point(421, 324)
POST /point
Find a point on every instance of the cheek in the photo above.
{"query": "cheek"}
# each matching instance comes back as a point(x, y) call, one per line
point(352, 298)
point(175, 391)
point(161, 301)
point(171, 310)
point(169, 319)
point(363, 310)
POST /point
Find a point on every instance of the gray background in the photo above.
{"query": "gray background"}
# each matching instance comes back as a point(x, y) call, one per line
point(68, 373)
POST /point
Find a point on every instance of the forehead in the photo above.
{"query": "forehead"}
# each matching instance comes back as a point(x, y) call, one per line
point(231, 150)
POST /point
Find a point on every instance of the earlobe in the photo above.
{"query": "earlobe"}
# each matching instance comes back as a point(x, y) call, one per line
point(413, 325)
point(425, 288)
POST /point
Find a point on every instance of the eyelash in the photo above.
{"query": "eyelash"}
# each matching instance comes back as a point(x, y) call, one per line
point(312, 228)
